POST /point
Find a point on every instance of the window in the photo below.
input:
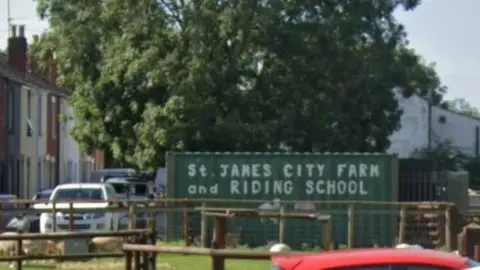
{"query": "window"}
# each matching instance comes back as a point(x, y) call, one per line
point(28, 175)
point(29, 131)
point(70, 171)
point(110, 191)
point(22, 168)
point(54, 117)
point(28, 169)
point(29, 104)
point(130, 189)
point(74, 172)
point(40, 115)
point(39, 170)
point(10, 110)
point(43, 195)
point(53, 174)
point(81, 194)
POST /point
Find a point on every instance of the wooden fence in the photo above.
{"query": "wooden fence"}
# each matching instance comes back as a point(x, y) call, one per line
point(130, 236)
point(437, 221)
point(203, 208)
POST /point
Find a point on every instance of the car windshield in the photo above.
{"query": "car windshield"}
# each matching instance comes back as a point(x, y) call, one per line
point(130, 189)
point(44, 195)
point(96, 176)
point(81, 194)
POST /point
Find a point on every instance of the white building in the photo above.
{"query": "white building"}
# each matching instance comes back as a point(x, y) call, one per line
point(72, 156)
point(446, 125)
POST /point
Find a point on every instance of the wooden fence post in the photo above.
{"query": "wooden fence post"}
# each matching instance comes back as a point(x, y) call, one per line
point(145, 255)
point(152, 226)
point(132, 215)
point(54, 216)
point(448, 229)
point(402, 225)
point(281, 226)
point(351, 226)
point(70, 218)
point(203, 226)
point(136, 259)
point(327, 234)
point(19, 252)
point(218, 263)
point(128, 260)
point(130, 240)
point(186, 224)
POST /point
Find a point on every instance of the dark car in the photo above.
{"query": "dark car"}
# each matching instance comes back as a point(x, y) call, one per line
point(42, 195)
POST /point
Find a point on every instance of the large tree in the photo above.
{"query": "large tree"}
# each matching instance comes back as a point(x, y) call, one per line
point(156, 75)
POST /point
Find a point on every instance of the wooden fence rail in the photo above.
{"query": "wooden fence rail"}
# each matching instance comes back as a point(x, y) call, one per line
point(218, 255)
point(134, 236)
point(170, 207)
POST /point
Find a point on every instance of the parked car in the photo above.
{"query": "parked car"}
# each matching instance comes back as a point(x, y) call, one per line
point(375, 259)
point(63, 194)
point(7, 216)
point(42, 195)
point(130, 185)
point(104, 174)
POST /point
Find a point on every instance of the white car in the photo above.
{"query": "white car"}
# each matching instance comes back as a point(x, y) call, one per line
point(63, 194)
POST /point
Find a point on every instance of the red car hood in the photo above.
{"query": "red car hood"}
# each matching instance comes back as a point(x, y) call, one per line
point(287, 262)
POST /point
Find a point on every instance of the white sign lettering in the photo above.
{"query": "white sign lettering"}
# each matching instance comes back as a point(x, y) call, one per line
point(245, 170)
point(265, 187)
point(267, 179)
point(303, 170)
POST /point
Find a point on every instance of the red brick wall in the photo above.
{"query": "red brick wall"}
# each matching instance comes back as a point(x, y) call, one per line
point(17, 53)
point(53, 110)
point(98, 156)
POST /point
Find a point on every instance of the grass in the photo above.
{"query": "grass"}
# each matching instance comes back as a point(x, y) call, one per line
point(164, 262)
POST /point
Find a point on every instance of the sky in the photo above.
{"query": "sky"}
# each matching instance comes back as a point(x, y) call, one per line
point(442, 31)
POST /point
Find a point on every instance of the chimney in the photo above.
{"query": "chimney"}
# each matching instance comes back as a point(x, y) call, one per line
point(17, 48)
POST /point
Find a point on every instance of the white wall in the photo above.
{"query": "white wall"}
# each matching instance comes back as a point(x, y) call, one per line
point(28, 146)
point(457, 128)
point(71, 153)
point(42, 137)
point(413, 133)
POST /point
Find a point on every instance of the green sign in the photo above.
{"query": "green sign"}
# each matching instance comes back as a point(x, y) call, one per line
point(347, 177)
point(304, 178)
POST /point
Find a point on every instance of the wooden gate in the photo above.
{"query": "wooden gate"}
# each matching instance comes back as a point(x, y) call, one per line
point(423, 181)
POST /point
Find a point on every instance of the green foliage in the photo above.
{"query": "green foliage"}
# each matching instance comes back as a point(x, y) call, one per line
point(451, 158)
point(150, 76)
point(446, 156)
point(461, 106)
point(473, 168)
